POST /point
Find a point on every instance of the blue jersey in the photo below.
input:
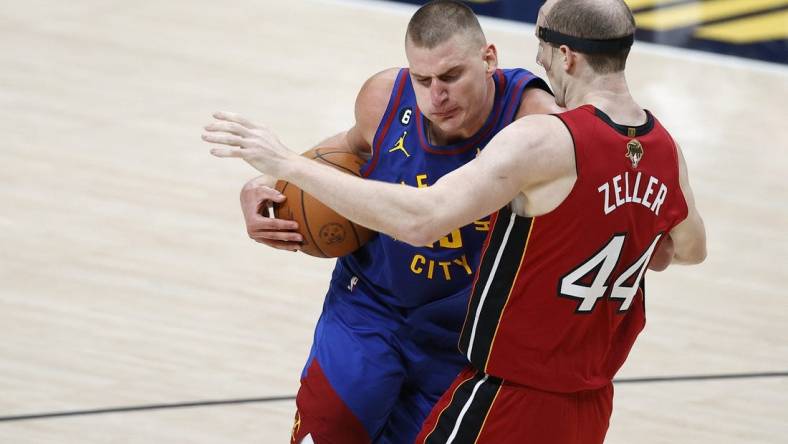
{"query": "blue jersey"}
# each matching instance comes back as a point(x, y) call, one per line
point(400, 274)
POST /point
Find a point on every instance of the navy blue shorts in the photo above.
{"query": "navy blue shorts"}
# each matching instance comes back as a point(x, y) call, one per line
point(375, 371)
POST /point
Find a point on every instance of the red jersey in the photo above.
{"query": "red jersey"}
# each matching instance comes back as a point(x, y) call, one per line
point(558, 299)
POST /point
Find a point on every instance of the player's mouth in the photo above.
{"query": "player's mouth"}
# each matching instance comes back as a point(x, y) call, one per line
point(446, 114)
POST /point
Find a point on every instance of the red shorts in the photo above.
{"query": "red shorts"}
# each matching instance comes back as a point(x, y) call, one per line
point(321, 415)
point(479, 408)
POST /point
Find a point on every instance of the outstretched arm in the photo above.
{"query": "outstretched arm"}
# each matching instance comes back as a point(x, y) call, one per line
point(414, 215)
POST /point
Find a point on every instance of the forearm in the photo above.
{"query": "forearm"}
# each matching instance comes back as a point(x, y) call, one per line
point(397, 210)
point(413, 215)
point(418, 216)
point(338, 141)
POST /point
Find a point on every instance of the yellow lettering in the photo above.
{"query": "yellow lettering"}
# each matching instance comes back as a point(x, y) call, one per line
point(414, 264)
point(445, 266)
point(426, 267)
point(453, 240)
point(463, 261)
point(482, 225)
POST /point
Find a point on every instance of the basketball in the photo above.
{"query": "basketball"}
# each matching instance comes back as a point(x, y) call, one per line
point(325, 232)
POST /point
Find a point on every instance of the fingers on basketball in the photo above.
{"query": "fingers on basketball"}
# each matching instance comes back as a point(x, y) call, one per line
point(325, 232)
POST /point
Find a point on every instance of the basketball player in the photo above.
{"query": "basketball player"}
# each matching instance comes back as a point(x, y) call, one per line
point(385, 347)
point(582, 201)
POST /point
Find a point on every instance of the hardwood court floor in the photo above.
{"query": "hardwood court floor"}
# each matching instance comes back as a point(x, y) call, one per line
point(126, 277)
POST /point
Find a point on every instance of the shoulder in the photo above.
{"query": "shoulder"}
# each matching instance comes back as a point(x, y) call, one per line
point(372, 101)
point(374, 95)
point(530, 153)
point(376, 90)
point(540, 130)
point(536, 97)
point(537, 101)
point(544, 146)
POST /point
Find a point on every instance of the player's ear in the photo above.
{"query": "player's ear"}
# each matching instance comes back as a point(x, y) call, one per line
point(568, 58)
point(490, 58)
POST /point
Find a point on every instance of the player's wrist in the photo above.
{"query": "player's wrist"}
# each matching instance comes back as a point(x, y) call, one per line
point(294, 168)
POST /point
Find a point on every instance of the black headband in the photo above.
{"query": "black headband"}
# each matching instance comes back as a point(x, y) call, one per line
point(586, 46)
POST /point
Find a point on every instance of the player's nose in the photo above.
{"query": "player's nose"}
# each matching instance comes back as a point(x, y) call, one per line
point(438, 93)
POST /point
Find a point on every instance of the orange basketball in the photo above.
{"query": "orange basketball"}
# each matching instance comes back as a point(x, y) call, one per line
point(325, 233)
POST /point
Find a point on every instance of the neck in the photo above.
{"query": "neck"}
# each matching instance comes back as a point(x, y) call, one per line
point(470, 126)
point(609, 93)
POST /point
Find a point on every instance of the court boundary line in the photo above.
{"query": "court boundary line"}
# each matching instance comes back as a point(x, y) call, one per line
point(260, 400)
point(685, 378)
point(146, 407)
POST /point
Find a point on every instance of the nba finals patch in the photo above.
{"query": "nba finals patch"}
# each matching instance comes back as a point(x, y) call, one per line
point(634, 152)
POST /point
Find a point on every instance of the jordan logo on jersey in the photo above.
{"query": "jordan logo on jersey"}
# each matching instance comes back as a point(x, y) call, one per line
point(634, 152)
point(400, 145)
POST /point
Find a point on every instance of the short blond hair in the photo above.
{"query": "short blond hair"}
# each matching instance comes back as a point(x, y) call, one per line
point(439, 20)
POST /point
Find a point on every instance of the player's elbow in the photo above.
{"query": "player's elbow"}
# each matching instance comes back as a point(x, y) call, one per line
point(701, 252)
point(419, 221)
point(422, 227)
point(690, 246)
point(693, 255)
point(419, 232)
point(696, 253)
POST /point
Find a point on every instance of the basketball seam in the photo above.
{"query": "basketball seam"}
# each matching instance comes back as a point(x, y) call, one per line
point(277, 205)
point(319, 155)
point(339, 167)
point(355, 234)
